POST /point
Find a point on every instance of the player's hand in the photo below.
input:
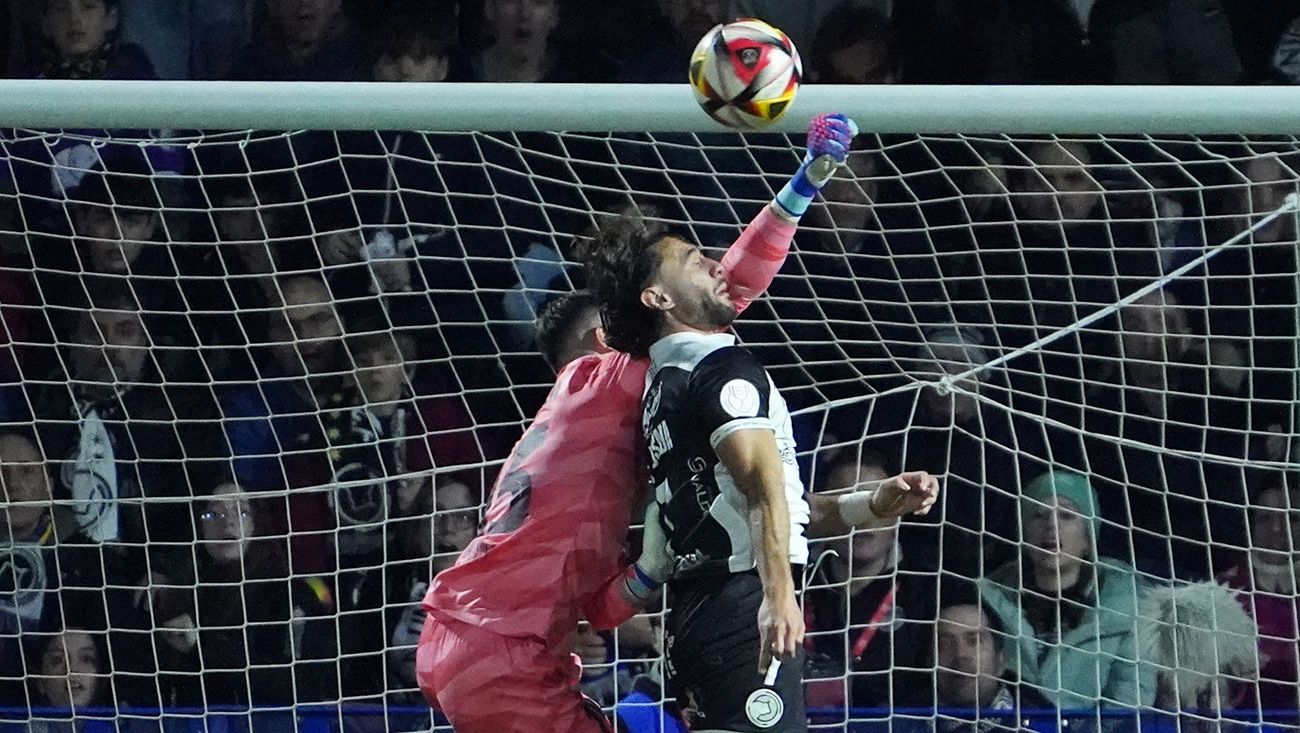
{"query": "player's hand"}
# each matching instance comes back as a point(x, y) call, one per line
point(912, 492)
point(590, 646)
point(780, 628)
point(656, 559)
point(830, 136)
point(642, 578)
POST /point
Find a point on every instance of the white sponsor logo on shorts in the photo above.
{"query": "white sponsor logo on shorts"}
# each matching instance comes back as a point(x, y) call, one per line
point(764, 708)
point(739, 398)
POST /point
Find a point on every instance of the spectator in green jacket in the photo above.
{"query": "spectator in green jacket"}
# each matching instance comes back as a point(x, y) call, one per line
point(1070, 613)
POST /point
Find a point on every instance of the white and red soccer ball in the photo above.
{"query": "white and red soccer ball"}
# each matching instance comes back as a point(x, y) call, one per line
point(745, 74)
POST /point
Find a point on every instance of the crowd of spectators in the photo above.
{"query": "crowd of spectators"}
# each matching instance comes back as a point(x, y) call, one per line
point(252, 390)
point(843, 41)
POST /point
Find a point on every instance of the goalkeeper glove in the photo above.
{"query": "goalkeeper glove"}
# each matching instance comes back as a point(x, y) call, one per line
point(829, 139)
point(655, 566)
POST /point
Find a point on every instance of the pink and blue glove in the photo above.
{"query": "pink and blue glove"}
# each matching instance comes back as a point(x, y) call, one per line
point(655, 566)
point(829, 139)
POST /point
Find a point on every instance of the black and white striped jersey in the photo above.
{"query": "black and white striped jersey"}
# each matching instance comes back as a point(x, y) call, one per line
point(700, 389)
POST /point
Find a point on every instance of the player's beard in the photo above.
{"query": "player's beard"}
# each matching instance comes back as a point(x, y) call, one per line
point(714, 312)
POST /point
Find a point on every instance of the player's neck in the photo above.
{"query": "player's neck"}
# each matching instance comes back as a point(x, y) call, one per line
point(673, 327)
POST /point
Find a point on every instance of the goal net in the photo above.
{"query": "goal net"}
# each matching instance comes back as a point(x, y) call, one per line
point(254, 386)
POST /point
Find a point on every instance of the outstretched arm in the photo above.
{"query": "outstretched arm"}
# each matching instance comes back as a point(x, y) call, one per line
point(872, 505)
point(755, 258)
point(632, 590)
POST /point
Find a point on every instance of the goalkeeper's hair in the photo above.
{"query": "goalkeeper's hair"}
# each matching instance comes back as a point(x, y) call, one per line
point(556, 321)
point(618, 253)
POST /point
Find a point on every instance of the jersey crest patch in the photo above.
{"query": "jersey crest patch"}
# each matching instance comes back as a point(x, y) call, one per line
point(739, 398)
point(764, 708)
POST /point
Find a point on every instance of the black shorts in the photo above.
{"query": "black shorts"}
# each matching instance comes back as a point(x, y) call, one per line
point(712, 654)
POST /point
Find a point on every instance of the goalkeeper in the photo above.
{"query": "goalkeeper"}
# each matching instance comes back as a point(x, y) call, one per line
point(494, 652)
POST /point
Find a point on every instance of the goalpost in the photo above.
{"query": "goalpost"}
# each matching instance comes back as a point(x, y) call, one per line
point(302, 313)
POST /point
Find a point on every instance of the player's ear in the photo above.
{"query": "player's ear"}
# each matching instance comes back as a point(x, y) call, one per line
point(602, 346)
point(655, 298)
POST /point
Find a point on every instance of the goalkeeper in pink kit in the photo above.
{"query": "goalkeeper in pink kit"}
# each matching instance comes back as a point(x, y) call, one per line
point(494, 655)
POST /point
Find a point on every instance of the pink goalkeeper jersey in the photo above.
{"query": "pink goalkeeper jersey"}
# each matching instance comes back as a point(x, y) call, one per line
point(551, 550)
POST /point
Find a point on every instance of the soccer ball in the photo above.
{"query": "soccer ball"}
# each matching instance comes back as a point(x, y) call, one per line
point(745, 74)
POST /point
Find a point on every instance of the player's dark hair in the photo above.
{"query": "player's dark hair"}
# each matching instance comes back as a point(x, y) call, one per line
point(556, 321)
point(620, 260)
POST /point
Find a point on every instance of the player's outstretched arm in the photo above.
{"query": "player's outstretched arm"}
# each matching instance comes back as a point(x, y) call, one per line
point(753, 460)
point(758, 254)
point(872, 504)
point(629, 592)
point(830, 136)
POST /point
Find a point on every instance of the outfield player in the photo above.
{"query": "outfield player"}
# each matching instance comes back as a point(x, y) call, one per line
point(722, 454)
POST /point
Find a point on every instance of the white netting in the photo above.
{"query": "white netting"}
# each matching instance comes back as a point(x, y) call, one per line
point(988, 308)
